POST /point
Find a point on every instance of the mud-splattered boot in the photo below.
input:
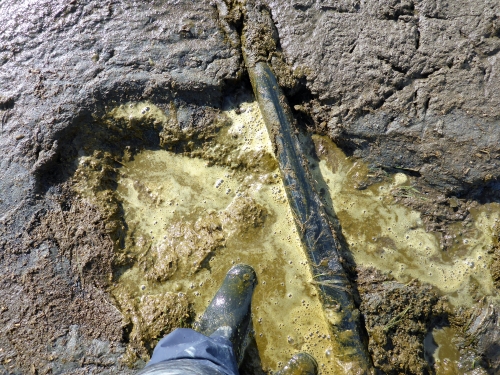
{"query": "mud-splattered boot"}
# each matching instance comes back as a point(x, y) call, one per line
point(229, 312)
point(300, 364)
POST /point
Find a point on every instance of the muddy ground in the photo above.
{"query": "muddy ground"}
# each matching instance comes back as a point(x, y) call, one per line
point(408, 86)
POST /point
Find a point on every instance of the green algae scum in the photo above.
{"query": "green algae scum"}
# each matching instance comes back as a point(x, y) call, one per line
point(189, 216)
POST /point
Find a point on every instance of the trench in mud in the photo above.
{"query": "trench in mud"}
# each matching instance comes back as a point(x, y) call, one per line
point(190, 216)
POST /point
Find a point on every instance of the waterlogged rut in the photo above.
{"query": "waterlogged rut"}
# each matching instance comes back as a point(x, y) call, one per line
point(189, 221)
point(190, 216)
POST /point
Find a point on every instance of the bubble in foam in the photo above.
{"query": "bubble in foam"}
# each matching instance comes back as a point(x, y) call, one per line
point(219, 182)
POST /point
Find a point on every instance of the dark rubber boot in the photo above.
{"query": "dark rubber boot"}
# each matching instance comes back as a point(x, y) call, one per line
point(300, 364)
point(229, 312)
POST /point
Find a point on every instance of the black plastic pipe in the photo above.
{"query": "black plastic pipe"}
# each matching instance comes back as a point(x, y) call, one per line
point(311, 221)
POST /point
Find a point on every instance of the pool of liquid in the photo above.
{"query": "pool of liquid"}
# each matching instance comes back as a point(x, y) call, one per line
point(190, 219)
point(446, 356)
point(170, 201)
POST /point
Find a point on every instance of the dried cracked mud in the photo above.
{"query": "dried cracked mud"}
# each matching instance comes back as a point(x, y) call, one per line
point(135, 171)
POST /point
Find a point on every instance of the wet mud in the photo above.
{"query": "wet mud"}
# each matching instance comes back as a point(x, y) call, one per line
point(398, 318)
point(383, 232)
point(101, 101)
point(402, 84)
point(175, 217)
point(420, 289)
point(61, 313)
point(190, 217)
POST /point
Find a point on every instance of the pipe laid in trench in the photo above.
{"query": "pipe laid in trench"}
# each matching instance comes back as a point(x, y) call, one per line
point(311, 221)
point(310, 218)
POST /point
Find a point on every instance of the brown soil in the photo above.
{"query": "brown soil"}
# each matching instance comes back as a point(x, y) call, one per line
point(397, 317)
point(150, 319)
point(400, 83)
point(66, 262)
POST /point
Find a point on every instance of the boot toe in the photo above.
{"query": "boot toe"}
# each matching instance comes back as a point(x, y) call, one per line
point(231, 304)
point(244, 273)
point(300, 364)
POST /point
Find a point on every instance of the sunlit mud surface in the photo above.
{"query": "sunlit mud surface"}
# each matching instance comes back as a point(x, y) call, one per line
point(190, 221)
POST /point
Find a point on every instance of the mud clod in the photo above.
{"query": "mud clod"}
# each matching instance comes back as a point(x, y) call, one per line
point(152, 317)
point(244, 214)
point(398, 316)
point(187, 246)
